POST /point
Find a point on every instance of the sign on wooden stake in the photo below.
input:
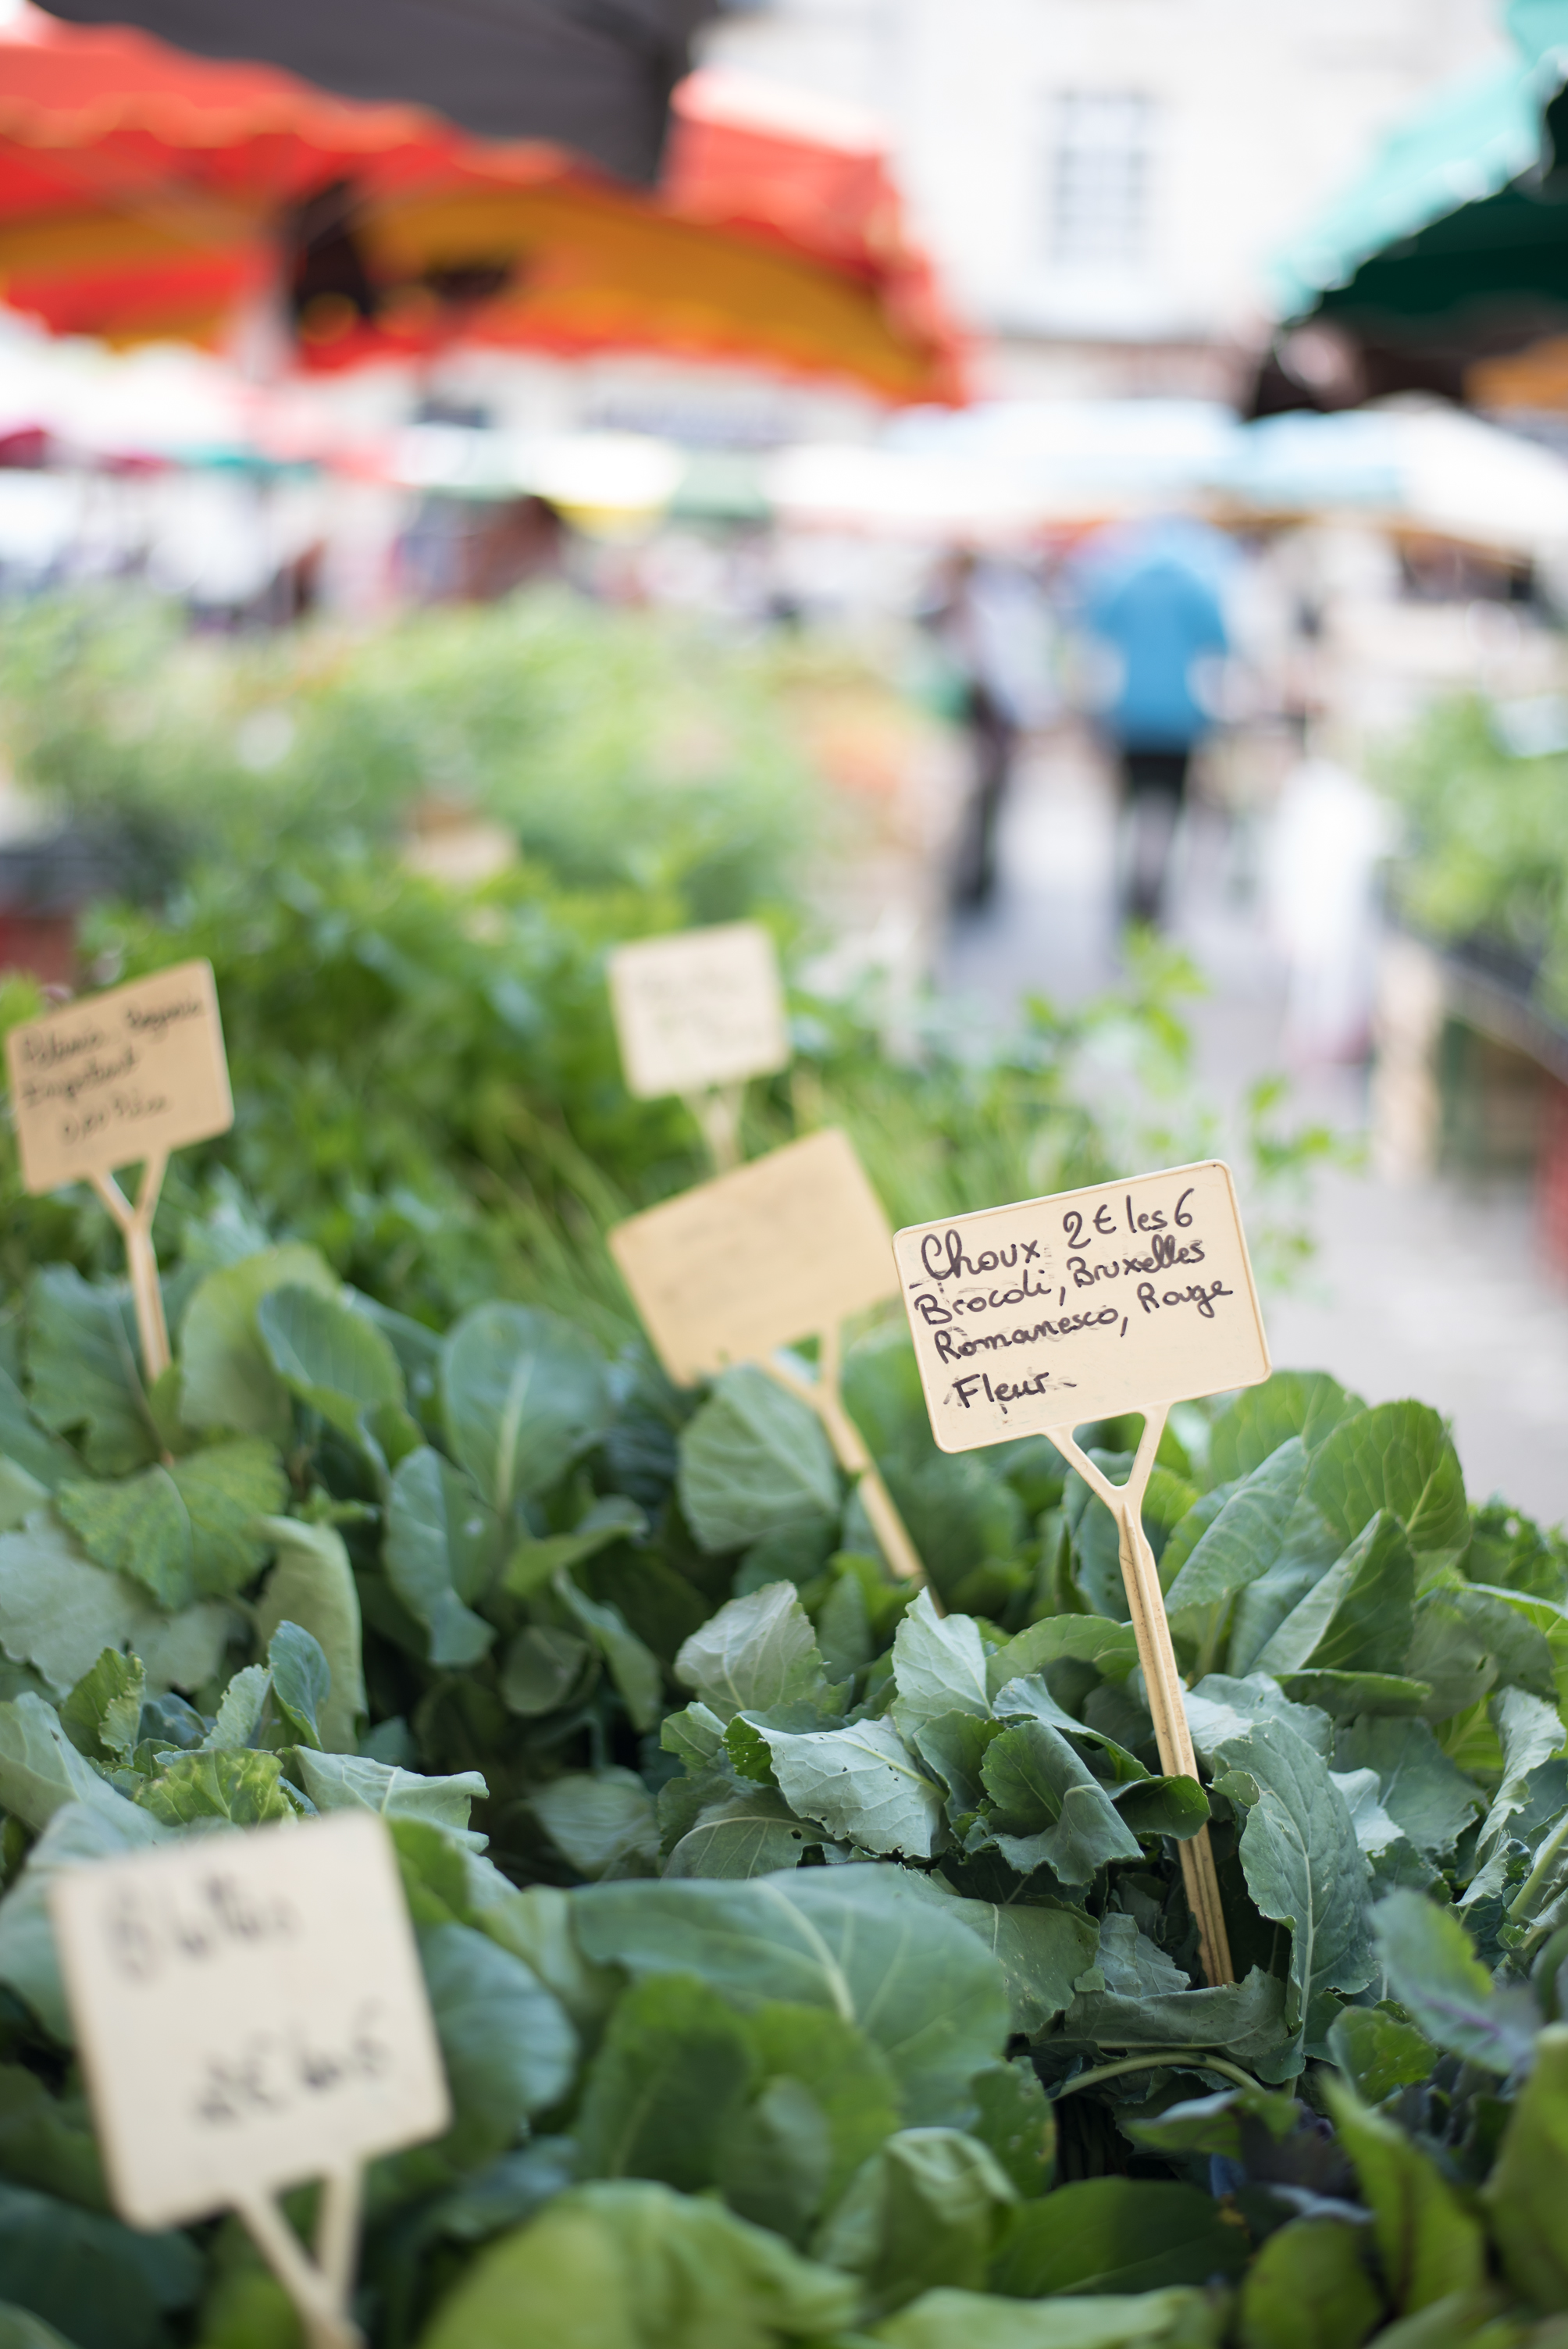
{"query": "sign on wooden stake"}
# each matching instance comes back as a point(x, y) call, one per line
point(1125, 1296)
point(696, 1014)
point(786, 1247)
point(251, 2015)
point(118, 1080)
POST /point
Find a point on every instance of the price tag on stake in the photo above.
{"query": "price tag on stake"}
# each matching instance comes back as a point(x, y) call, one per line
point(119, 1078)
point(250, 2013)
point(778, 1250)
point(1082, 1306)
point(702, 1008)
point(1125, 1296)
point(786, 1247)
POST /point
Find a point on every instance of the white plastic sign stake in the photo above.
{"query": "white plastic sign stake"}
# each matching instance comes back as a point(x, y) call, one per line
point(696, 1014)
point(1125, 1296)
point(786, 1247)
point(117, 1080)
point(251, 2014)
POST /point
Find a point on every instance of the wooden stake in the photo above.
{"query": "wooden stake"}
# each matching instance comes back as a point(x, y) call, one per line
point(1146, 1603)
point(853, 1455)
point(716, 1108)
point(136, 1229)
point(319, 2288)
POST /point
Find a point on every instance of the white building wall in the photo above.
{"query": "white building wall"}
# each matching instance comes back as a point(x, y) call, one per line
point(1256, 111)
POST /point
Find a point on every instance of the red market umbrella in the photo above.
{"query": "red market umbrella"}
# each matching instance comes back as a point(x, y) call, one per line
point(145, 194)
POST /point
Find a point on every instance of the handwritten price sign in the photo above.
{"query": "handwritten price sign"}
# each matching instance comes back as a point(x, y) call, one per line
point(701, 1008)
point(119, 1078)
point(250, 2013)
point(1076, 1307)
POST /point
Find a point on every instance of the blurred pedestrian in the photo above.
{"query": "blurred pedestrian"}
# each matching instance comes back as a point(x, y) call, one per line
point(994, 627)
point(1151, 598)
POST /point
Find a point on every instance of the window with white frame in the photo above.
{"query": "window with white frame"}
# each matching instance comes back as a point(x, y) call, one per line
point(1101, 162)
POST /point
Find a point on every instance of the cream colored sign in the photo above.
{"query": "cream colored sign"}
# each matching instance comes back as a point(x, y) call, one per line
point(250, 2011)
point(778, 1250)
point(1074, 1308)
point(119, 1078)
point(703, 1008)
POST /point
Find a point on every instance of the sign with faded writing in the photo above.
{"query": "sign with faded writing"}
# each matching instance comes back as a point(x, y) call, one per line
point(781, 1249)
point(702, 1008)
point(119, 1078)
point(1076, 1307)
point(250, 2011)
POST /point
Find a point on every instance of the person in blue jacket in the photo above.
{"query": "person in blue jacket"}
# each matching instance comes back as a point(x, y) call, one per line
point(1150, 595)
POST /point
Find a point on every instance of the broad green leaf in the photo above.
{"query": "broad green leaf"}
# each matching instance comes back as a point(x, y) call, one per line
point(1428, 1795)
point(671, 2078)
point(46, 2140)
point(1303, 1865)
point(85, 1366)
point(1397, 1457)
point(630, 2265)
point(1530, 1733)
point(1360, 1616)
point(1352, 1696)
point(853, 1940)
point(226, 1377)
point(1116, 2234)
point(1015, 2123)
point(753, 1460)
point(1375, 1832)
point(184, 1530)
point(845, 2074)
point(333, 1359)
point(1309, 2289)
point(862, 1783)
point(545, 1668)
point(752, 1833)
point(1432, 1969)
point(104, 2285)
point(1524, 2193)
point(40, 1768)
point(508, 2043)
point(1427, 2241)
point(241, 1787)
point(923, 2211)
point(524, 1394)
point(1216, 2124)
point(1378, 2053)
point(1042, 1949)
point(302, 1681)
point(349, 1782)
point(1221, 1707)
point(938, 1665)
point(1111, 1648)
point(313, 1584)
point(1306, 1403)
point(633, 1668)
point(1132, 1965)
point(1467, 1643)
point(603, 1821)
point(1050, 1810)
point(533, 1563)
point(441, 1553)
point(183, 1650)
point(1189, 1531)
point(239, 1710)
point(953, 1747)
point(21, 1494)
point(79, 1833)
point(1248, 1535)
point(27, 1445)
point(756, 1655)
point(102, 1714)
point(1246, 2018)
point(1179, 2319)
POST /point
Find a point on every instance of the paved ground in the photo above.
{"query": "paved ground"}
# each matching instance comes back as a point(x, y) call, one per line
point(1434, 1291)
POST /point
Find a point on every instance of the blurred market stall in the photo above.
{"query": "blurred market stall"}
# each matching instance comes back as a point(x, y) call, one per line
point(146, 194)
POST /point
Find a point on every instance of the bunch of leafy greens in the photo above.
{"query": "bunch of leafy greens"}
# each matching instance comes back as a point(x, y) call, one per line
point(810, 1964)
point(1483, 865)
